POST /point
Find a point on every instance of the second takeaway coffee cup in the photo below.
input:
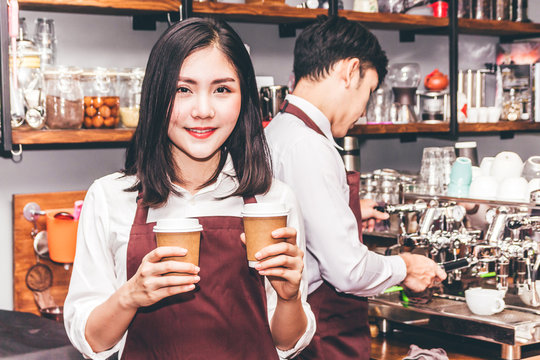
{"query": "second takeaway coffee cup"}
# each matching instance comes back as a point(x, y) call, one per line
point(184, 233)
point(260, 219)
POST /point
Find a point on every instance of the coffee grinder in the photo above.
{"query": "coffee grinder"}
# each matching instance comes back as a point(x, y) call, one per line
point(404, 79)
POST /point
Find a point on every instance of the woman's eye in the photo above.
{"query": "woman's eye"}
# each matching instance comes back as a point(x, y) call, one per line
point(182, 89)
point(222, 89)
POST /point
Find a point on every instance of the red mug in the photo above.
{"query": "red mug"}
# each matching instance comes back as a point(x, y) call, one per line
point(440, 8)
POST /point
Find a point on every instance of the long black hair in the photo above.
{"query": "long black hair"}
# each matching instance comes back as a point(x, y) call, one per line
point(149, 154)
point(331, 39)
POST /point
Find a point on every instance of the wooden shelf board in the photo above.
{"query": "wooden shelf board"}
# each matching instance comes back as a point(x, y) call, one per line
point(272, 13)
point(399, 129)
point(497, 28)
point(101, 7)
point(392, 21)
point(26, 136)
point(500, 126)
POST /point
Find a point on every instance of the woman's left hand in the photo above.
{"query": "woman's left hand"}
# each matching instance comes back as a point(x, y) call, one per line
point(285, 265)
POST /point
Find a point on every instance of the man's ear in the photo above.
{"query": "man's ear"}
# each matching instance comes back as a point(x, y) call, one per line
point(351, 71)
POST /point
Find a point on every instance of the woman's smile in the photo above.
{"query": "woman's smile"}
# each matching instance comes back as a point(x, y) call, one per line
point(201, 132)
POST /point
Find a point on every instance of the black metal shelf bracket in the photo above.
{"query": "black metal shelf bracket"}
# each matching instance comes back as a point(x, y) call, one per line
point(5, 109)
point(453, 63)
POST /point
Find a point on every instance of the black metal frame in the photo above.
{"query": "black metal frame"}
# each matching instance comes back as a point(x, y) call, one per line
point(5, 110)
point(453, 64)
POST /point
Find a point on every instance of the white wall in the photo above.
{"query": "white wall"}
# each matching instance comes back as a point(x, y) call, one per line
point(91, 40)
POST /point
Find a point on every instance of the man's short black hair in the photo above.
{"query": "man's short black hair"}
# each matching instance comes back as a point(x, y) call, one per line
point(331, 39)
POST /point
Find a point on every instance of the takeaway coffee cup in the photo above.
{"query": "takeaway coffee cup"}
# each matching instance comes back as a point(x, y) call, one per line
point(184, 233)
point(260, 219)
point(484, 301)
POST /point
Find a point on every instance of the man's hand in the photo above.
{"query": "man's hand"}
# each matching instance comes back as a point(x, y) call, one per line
point(370, 216)
point(422, 272)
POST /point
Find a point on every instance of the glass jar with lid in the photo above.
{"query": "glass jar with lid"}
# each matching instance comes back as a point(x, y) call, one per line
point(101, 100)
point(129, 89)
point(63, 97)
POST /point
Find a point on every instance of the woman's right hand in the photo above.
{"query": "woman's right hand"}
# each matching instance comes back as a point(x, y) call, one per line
point(149, 285)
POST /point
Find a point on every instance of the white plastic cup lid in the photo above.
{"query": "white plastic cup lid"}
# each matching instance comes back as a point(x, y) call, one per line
point(178, 225)
point(264, 209)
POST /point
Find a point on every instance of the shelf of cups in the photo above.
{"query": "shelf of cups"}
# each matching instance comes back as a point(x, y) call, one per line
point(500, 126)
point(414, 128)
point(28, 136)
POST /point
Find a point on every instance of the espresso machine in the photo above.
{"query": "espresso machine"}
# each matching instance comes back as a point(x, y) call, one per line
point(502, 255)
point(404, 79)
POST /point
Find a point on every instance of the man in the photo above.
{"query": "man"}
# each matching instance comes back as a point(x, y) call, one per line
point(337, 65)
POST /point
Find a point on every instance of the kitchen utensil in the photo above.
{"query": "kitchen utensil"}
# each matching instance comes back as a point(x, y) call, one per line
point(39, 280)
point(404, 79)
point(271, 99)
point(350, 153)
point(467, 149)
point(41, 245)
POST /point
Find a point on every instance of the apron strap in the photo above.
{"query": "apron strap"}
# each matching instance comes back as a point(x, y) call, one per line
point(287, 107)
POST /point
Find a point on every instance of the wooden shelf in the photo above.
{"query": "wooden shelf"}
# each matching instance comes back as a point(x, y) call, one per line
point(500, 126)
point(272, 13)
point(416, 128)
point(391, 21)
point(497, 28)
point(27, 136)
point(101, 6)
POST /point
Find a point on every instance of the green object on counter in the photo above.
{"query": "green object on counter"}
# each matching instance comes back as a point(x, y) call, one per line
point(404, 299)
point(392, 289)
point(489, 274)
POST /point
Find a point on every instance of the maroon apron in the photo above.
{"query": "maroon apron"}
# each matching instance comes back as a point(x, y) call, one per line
point(224, 318)
point(342, 319)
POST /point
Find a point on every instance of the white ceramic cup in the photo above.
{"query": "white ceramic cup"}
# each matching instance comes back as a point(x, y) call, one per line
point(483, 187)
point(534, 185)
point(513, 189)
point(472, 115)
point(494, 114)
point(484, 301)
point(485, 165)
point(507, 164)
point(483, 115)
point(531, 169)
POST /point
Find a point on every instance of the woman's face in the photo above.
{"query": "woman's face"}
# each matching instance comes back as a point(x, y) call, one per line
point(206, 107)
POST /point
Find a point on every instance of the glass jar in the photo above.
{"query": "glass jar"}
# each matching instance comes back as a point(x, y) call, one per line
point(101, 100)
point(482, 10)
point(502, 10)
point(63, 97)
point(129, 89)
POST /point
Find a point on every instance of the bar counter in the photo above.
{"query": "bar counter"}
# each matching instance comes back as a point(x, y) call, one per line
point(395, 346)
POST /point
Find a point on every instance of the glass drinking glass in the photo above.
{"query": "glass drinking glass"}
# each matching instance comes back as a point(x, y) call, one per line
point(431, 181)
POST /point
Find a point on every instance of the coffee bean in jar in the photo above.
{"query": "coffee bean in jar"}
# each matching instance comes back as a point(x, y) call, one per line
point(101, 111)
point(101, 99)
point(63, 97)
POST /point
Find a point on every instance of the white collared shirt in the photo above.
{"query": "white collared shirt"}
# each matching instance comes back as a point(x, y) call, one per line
point(311, 165)
point(104, 227)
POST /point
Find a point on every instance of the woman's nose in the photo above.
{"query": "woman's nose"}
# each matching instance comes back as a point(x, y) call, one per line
point(203, 108)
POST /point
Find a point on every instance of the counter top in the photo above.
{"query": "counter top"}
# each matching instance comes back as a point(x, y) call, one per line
point(396, 345)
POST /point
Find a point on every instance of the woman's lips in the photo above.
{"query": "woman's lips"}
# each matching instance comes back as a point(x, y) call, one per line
point(201, 133)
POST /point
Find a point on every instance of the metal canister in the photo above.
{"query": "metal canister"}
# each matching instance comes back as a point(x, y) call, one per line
point(350, 153)
point(271, 99)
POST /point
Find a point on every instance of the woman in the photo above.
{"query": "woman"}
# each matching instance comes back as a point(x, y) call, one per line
point(199, 151)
